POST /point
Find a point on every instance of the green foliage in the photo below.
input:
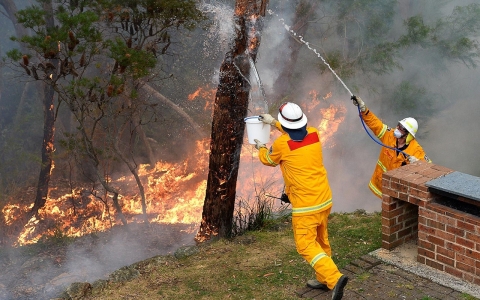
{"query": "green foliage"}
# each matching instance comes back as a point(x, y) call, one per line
point(58, 237)
point(383, 59)
point(96, 56)
point(14, 54)
point(366, 27)
point(453, 37)
point(467, 297)
point(251, 217)
point(32, 17)
point(417, 32)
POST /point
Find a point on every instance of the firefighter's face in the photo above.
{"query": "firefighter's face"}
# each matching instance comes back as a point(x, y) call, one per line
point(402, 129)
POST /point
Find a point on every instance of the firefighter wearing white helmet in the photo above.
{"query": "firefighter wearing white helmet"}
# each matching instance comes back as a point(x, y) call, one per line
point(401, 138)
point(298, 151)
point(410, 124)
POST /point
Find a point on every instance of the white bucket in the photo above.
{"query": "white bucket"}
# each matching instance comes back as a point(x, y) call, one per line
point(257, 130)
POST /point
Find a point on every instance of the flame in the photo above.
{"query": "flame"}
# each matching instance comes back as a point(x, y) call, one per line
point(174, 192)
point(207, 94)
point(332, 117)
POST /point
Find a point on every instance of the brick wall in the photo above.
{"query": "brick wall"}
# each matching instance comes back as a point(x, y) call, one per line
point(447, 239)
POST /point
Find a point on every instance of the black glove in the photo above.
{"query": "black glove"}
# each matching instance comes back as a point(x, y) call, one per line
point(357, 101)
point(284, 198)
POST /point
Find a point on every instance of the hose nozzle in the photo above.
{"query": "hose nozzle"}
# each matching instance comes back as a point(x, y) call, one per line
point(354, 99)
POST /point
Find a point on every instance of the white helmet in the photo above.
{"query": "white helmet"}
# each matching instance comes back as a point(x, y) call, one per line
point(410, 124)
point(291, 116)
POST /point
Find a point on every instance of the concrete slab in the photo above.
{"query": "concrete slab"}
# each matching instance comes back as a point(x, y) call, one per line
point(459, 184)
point(404, 257)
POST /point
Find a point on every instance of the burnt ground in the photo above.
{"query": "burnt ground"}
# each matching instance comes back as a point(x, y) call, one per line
point(43, 270)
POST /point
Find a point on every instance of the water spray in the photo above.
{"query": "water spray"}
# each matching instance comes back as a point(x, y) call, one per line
point(257, 77)
point(352, 96)
point(262, 90)
point(287, 27)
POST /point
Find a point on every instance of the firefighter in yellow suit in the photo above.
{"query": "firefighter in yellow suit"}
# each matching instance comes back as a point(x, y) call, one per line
point(401, 138)
point(298, 151)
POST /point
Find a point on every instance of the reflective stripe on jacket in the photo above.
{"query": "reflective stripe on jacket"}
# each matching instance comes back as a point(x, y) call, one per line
point(388, 158)
point(305, 176)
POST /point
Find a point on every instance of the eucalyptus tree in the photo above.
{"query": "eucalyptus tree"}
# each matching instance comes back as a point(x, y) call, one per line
point(231, 105)
point(97, 56)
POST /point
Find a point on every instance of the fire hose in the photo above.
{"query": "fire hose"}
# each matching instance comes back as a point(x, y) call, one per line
point(354, 98)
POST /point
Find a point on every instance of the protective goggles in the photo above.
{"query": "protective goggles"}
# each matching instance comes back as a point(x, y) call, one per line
point(401, 128)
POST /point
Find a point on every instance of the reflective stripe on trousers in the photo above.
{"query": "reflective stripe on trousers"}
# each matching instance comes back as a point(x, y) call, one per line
point(311, 239)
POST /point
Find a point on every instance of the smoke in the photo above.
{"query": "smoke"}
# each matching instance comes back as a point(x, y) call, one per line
point(451, 138)
point(444, 93)
point(48, 273)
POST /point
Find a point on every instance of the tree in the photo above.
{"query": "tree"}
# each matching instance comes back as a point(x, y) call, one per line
point(48, 121)
point(106, 52)
point(231, 104)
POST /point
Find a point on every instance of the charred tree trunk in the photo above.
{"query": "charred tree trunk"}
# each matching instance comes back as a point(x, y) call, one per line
point(304, 11)
point(231, 106)
point(48, 128)
point(47, 150)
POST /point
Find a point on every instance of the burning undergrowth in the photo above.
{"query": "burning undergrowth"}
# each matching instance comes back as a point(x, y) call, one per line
point(174, 192)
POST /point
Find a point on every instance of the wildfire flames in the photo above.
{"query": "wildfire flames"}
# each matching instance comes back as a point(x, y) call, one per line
point(331, 116)
point(174, 192)
point(206, 93)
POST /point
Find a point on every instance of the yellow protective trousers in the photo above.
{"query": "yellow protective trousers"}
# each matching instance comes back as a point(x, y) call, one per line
point(311, 239)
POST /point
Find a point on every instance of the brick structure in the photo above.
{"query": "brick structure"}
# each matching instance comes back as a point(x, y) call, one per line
point(448, 239)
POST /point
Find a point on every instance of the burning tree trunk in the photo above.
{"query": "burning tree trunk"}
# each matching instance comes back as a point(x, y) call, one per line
point(47, 150)
point(48, 128)
point(231, 105)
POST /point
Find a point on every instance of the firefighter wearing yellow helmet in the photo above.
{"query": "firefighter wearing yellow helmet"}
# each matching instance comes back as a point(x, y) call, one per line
point(401, 138)
point(298, 151)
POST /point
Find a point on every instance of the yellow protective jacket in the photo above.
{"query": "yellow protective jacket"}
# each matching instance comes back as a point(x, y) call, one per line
point(305, 176)
point(388, 159)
